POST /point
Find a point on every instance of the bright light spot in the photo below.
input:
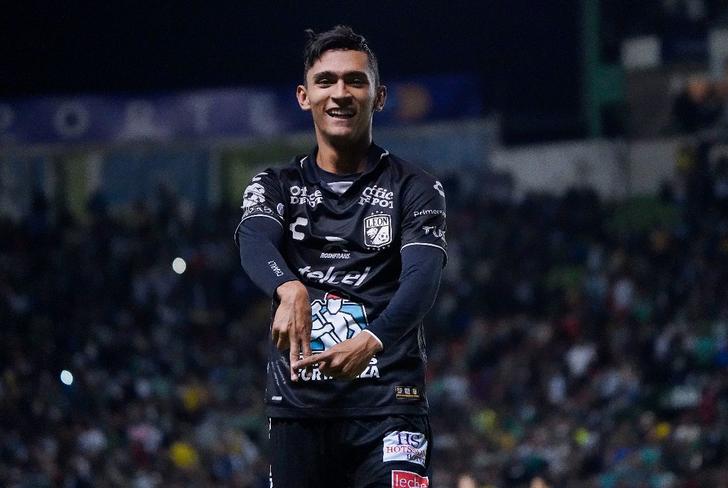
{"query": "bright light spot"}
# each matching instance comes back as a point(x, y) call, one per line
point(66, 377)
point(179, 266)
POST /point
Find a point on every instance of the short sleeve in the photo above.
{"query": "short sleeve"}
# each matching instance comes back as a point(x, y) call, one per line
point(263, 198)
point(423, 221)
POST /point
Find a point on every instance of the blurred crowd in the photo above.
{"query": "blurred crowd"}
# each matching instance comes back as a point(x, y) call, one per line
point(701, 105)
point(574, 343)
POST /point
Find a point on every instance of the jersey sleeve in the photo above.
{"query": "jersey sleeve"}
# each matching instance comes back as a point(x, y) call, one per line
point(423, 219)
point(263, 198)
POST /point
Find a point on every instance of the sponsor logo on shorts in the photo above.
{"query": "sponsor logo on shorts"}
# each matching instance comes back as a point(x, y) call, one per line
point(402, 445)
point(408, 479)
point(407, 393)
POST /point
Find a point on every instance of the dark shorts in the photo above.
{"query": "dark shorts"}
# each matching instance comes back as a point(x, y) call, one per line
point(366, 452)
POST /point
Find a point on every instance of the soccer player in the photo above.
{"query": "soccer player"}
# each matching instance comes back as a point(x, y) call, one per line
point(349, 241)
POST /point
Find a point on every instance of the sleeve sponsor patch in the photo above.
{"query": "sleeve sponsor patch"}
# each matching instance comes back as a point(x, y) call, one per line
point(402, 445)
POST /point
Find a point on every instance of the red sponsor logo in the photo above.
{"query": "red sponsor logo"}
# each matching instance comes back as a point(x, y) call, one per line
point(408, 479)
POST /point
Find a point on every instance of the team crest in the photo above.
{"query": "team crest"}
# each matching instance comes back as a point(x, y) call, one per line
point(377, 230)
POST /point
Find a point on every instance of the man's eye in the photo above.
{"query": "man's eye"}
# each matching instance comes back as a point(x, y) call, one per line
point(324, 81)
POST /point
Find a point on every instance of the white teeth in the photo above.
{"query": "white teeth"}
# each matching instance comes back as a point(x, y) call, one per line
point(340, 113)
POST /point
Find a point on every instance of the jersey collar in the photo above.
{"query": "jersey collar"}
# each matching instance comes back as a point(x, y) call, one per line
point(375, 157)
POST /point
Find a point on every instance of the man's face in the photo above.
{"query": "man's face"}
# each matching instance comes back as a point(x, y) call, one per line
point(341, 94)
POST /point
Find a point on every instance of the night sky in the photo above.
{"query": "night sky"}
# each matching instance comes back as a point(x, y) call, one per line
point(525, 52)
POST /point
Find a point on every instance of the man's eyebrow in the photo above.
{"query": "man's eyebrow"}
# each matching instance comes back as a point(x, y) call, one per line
point(331, 74)
point(324, 74)
point(361, 74)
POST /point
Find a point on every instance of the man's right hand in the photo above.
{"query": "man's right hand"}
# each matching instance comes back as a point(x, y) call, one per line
point(292, 322)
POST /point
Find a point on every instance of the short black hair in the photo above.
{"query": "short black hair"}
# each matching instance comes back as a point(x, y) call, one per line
point(339, 37)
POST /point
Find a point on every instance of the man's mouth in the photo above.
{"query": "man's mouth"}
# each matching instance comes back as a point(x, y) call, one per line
point(340, 113)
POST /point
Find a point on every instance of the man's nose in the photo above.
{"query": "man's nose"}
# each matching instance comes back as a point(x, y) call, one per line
point(341, 91)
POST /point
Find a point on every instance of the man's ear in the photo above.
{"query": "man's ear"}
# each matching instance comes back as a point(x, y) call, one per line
point(381, 98)
point(302, 97)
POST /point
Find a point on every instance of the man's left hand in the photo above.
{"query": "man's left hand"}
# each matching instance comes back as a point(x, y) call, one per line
point(347, 359)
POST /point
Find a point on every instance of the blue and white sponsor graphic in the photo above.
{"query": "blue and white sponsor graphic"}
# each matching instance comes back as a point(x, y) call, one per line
point(335, 319)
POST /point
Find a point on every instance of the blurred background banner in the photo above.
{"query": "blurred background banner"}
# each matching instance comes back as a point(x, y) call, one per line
point(210, 114)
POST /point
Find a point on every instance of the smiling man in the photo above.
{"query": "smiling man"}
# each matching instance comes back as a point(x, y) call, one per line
point(349, 241)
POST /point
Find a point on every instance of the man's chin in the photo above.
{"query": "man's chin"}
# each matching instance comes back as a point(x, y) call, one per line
point(341, 136)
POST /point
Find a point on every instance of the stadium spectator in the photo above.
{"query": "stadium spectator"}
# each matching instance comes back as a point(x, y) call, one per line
point(698, 106)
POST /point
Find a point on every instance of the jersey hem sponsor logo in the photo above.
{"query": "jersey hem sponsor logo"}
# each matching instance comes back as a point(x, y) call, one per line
point(408, 479)
point(371, 371)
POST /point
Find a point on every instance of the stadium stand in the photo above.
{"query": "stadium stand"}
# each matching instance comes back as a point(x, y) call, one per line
point(577, 340)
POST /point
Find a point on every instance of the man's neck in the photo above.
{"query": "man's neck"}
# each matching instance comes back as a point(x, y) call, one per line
point(343, 160)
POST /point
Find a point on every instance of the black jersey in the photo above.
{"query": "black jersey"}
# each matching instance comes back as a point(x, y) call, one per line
point(345, 248)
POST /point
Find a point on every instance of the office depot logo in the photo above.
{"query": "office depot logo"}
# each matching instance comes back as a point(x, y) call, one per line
point(408, 479)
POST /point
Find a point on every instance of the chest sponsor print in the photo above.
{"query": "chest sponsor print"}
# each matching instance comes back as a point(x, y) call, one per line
point(301, 195)
point(378, 231)
point(376, 196)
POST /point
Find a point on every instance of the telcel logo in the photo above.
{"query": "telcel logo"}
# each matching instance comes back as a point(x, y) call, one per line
point(333, 277)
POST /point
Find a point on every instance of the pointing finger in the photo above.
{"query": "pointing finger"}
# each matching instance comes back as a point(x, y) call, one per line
point(293, 356)
point(310, 361)
point(306, 348)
